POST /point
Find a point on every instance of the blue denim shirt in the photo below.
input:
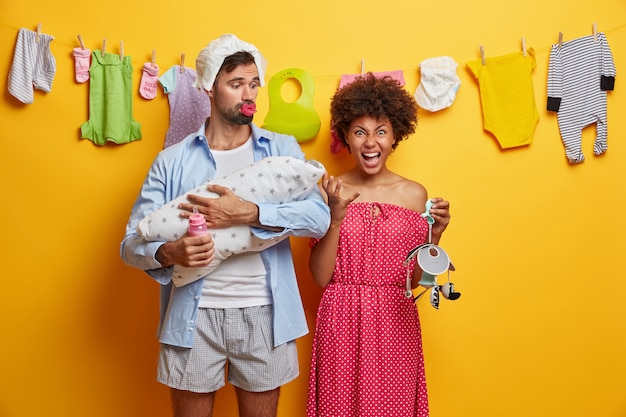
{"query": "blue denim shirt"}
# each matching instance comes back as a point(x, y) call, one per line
point(188, 164)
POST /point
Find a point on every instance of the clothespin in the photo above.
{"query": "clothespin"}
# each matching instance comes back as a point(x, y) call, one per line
point(154, 58)
point(182, 63)
point(38, 32)
point(362, 67)
point(524, 45)
point(104, 47)
point(595, 31)
point(560, 39)
point(482, 54)
point(121, 50)
point(80, 40)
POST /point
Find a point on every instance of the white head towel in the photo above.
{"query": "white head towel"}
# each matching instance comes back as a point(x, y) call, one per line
point(211, 58)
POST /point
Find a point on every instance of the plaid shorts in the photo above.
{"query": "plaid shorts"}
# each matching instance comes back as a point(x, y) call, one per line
point(239, 337)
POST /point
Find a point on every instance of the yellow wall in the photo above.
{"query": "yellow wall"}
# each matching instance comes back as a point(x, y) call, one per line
point(537, 242)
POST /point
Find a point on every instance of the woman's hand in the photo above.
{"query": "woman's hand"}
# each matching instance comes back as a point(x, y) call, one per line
point(440, 211)
point(338, 205)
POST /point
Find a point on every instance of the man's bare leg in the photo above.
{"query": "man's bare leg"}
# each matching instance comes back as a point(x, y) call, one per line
point(192, 404)
point(257, 404)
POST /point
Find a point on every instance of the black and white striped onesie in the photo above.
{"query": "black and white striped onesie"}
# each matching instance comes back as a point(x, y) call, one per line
point(580, 73)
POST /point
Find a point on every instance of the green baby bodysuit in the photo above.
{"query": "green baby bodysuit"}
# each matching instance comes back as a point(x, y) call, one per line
point(110, 101)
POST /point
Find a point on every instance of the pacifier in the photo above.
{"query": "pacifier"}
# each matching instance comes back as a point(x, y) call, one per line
point(248, 109)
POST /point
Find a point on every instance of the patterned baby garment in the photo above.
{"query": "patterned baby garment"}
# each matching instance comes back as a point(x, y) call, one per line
point(189, 106)
point(580, 73)
point(33, 67)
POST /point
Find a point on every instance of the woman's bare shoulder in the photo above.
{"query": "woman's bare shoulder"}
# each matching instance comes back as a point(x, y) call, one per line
point(412, 195)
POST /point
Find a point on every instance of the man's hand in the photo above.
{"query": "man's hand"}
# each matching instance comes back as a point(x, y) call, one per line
point(223, 211)
point(188, 251)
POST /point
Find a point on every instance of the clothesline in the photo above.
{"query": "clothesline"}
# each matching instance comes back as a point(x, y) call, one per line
point(518, 85)
point(137, 63)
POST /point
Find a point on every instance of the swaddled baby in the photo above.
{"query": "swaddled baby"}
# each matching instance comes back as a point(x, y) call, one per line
point(275, 179)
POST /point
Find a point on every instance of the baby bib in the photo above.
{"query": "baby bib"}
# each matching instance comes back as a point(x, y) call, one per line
point(299, 118)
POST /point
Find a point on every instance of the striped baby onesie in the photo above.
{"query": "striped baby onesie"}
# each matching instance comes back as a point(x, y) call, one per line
point(580, 72)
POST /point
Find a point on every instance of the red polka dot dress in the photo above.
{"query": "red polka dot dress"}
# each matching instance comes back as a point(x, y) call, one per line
point(367, 358)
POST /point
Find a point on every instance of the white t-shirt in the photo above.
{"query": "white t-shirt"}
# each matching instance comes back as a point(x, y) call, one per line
point(240, 280)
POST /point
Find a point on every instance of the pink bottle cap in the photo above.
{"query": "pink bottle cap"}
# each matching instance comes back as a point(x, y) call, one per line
point(196, 219)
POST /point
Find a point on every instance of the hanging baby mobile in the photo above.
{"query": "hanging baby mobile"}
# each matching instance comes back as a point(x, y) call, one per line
point(433, 261)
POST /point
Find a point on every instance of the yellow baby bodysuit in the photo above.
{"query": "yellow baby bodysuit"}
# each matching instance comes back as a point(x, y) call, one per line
point(507, 97)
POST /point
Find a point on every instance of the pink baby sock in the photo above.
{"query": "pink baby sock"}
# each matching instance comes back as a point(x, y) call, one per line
point(149, 80)
point(81, 63)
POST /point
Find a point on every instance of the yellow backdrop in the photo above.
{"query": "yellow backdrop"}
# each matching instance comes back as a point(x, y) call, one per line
point(537, 243)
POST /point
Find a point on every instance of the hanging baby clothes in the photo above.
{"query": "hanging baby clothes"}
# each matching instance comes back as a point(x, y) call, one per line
point(507, 97)
point(110, 101)
point(189, 106)
point(33, 65)
point(438, 83)
point(297, 118)
point(149, 80)
point(397, 75)
point(580, 73)
point(82, 57)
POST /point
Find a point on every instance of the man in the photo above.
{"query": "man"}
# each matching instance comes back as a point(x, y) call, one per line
point(247, 313)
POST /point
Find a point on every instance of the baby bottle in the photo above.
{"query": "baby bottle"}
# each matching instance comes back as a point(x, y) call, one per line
point(197, 224)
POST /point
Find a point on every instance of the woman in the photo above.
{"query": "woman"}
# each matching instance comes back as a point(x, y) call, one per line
point(367, 350)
